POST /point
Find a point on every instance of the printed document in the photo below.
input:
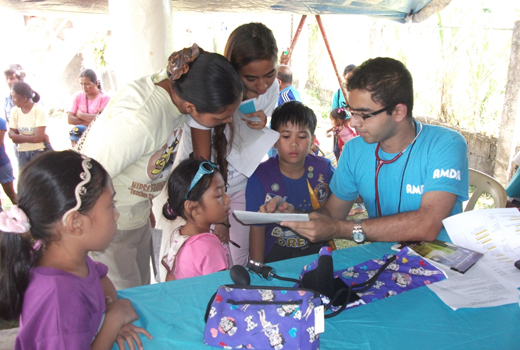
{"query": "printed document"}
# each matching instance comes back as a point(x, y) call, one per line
point(493, 280)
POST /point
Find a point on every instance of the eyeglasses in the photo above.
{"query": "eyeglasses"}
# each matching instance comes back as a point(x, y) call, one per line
point(204, 169)
point(363, 117)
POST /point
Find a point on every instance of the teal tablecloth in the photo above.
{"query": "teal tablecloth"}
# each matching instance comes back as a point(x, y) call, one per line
point(173, 313)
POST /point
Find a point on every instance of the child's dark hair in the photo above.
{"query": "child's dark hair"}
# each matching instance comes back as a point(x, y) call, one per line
point(250, 42)
point(349, 69)
point(339, 113)
point(178, 186)
point(46, 191)
point(24, 89)
point(89, 73)
point(296, 113)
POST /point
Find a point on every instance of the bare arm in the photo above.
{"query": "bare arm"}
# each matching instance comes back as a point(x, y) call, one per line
point(257, 243)
point(39, 136)
point(117, 325)
point(201, 141)
point(108, 288)
point(73, 120)
point(86, 118)
point(423, 224)
point(2, 135)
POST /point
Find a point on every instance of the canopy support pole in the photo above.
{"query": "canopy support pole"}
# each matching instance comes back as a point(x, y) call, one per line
point(324, 35)
point(295, 40)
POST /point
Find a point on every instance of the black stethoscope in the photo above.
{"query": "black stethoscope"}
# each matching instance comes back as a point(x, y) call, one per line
point(380, 162)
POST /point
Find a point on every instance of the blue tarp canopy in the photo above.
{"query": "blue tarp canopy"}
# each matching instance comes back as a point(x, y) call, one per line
point(397, 10)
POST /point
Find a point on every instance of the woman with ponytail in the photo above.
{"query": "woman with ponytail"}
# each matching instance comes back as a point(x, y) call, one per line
point(89, 102)
point(136, 138)
point(27, 123)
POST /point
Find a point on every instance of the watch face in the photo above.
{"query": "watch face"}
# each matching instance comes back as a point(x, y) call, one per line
point(358, 237)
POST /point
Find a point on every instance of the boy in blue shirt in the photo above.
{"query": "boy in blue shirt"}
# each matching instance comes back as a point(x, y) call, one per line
point(294, 173)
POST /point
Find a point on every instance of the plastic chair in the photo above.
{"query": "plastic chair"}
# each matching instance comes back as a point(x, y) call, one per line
point(485, 183)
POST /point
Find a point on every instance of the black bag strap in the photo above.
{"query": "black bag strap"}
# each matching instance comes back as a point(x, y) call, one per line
point(208, 308)
point(359, 288)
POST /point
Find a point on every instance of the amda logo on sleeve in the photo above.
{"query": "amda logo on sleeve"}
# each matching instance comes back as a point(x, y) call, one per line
point(449, 173)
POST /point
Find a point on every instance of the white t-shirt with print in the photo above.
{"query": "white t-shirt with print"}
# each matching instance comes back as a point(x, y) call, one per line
point(27, 124)
point(135, 139)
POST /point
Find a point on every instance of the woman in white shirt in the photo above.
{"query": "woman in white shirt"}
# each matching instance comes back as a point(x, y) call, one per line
point(27, 123)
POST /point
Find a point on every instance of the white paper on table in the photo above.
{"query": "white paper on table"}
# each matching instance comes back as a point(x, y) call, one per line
point(255, 218)
point(480, 286)
point(249, 145)
point(494, 232)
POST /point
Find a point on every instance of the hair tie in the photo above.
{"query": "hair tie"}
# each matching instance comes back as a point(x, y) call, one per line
point(341, 110)
point(178, 61)
point(14, 221)
point(80, 189)
point(170, 210)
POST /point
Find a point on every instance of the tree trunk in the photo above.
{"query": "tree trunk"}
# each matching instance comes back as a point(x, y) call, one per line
point(508, 134)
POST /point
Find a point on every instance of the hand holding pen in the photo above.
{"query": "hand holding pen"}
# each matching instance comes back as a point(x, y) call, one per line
point(277, 204)
point(222, 232)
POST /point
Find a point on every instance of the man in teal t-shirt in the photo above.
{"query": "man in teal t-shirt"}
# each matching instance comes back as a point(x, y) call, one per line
point(411, 176)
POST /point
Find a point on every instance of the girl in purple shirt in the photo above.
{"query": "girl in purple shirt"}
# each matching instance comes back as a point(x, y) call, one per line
point(63, 298)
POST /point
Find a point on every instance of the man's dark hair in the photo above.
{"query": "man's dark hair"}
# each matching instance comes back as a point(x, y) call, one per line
point(296, 113)
point(15, 69)
point(387, 79)
point(348, 69)
point(286, 76)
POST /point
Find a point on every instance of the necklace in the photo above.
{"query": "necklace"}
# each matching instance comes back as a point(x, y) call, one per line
point(380, 162)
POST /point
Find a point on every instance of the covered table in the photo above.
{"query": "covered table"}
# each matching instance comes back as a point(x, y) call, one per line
point(173, 312)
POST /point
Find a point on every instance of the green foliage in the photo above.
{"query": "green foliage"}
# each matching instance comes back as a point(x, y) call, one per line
point(57, 113)
point(485, 201)
point(94, 52)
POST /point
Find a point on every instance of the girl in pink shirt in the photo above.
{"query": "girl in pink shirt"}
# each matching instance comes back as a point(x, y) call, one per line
point(340, 127)
point(197, 193)
point(63, 298)
point(89, 102)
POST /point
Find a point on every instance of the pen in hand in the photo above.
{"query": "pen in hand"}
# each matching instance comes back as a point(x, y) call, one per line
point(236, 245)
point(281, 202)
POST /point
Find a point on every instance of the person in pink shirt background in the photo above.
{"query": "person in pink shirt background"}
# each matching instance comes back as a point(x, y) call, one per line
point(89, 102)
point(340, 127)
point(342, 130)
point(196, 193)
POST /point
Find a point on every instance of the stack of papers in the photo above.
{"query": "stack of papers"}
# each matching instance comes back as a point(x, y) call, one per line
point(494, 279)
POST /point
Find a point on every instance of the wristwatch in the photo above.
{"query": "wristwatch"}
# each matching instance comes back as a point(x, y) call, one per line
point(357, 233)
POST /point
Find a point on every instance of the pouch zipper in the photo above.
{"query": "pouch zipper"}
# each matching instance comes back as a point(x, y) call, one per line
point(244, 302)
point(236, 286)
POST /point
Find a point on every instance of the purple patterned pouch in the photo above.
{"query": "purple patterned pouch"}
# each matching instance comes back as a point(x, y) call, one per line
point(368, 281)
point(407, 272)
point(261, 317)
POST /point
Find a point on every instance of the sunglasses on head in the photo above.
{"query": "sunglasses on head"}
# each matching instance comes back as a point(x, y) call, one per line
point(204, 168)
